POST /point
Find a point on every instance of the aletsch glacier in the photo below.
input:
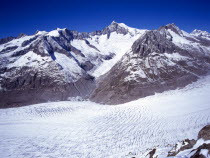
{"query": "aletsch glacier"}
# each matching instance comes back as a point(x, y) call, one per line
point(86, 129)
point(166, 68)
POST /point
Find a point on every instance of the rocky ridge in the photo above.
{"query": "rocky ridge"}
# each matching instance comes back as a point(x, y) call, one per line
point(160, 60)
point(114, 65)
point(199, 148)
point(59, 64)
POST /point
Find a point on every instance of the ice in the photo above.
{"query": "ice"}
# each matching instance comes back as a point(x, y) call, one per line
point(86, 129)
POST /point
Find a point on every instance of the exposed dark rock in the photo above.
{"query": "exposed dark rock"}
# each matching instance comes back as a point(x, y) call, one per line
point(36, 87)
point(25, 43)
point(87, 65)
point(198, 153)
point(151, 42)
point(108, 57)
point(76, 51)
point(189, 144)
point(20, 52)
point(151, 153)
point(92, 46)
point(113, 27)
point(160, 73)
point(173, 28)
point(204, 133)
point(8, 49)
point(186, 144)
point(21, 35)
point(46, 93)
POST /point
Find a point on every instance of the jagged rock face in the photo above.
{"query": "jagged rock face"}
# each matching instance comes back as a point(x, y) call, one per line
point(55, 65)
point(160, 60)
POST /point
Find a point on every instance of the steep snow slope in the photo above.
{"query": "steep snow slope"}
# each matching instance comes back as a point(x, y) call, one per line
point(113, 45)
point(118, 44)
point(86, 129)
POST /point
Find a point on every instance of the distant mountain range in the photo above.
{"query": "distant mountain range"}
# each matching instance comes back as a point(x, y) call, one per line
point(112, 66)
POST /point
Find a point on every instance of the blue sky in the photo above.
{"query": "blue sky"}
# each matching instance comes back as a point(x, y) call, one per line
point(21, 16)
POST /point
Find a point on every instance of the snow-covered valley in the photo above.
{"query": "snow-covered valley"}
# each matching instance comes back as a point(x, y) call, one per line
point(85, 129)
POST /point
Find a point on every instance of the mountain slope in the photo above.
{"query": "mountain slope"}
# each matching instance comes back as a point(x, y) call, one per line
point(55, 65)
point(159, 60)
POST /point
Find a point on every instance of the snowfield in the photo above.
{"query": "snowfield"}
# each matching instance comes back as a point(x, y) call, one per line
point(83, 129)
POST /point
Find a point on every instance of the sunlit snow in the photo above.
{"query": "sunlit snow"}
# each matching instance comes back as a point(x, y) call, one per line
point(86, 129)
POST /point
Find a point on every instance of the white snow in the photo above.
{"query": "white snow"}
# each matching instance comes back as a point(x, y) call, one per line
point(54, 33)
point(69, 66)
point(41, 32)
point(89, 52)
point(15, 42)
point(188, 152)
point(118, 44)
point(179, 40)
point(199, 33)
point(86, 129)
point(29, 59)
point(175, 56)
point(204, 152)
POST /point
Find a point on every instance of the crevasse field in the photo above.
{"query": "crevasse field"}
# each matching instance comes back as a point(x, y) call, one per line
point(84, 129)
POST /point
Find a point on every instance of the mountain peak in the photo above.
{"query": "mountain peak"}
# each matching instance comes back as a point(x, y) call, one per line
point(114, 22)
point(200, 33)
point(114, 25)
point(172, 27)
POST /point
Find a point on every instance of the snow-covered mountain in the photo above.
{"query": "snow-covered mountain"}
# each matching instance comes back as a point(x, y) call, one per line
point(118, 63)
point(201, 34)
point(59, 64)
point(162, 59)
point(115, 65)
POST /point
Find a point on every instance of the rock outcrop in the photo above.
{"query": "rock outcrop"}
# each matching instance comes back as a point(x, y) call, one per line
point(204, 133)
point(199, 148)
